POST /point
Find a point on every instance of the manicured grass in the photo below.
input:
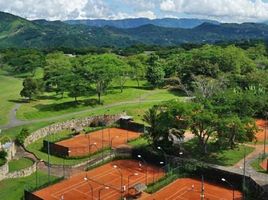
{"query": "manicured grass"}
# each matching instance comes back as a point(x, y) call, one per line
point(164, 95)
point(13, 189)
point(50, 104)
point(232, 156)
point(224, 157)
point(142, 141)
point(10, 89)
point(256, 164)
point(136, 110)
point(15, 165)
point(36, 148)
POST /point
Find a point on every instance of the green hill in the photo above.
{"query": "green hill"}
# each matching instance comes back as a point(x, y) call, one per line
point(21, 33)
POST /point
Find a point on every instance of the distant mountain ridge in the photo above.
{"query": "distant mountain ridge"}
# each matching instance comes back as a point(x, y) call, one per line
point(136, 22)
point(16, 32)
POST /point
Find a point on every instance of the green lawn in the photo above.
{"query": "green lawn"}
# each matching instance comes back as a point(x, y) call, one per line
point(50, 104)
point(10, 89)
point(15, 165)
point(224, 157)
point(37, 146)
point(13, 189)
point(142, 141)
point(256, 164)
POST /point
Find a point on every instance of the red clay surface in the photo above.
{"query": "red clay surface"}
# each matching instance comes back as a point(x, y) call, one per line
point(264, 164)
point(76, 188)
point(85, 144)
point(261, 133)
point(182, 189)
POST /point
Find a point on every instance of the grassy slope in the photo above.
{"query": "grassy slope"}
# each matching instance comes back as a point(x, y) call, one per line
point(227, 157)
point(256, 164)
point(22, 163)
point(10, 89)
point(52, 105)
point(12, 189)
point(135, 110)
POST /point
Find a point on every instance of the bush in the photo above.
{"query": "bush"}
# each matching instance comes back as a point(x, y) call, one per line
point(24, 133)
point(3, 155)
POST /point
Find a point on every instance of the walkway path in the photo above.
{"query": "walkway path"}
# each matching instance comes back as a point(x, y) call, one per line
point(260, 178)
point(14, 122)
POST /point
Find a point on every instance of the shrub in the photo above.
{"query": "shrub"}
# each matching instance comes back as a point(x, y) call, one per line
point(3, 154)
point(24, 133)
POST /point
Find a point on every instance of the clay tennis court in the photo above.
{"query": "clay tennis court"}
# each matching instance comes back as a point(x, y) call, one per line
point(85, 144)
point(190, 189)
point(261, 133)
point(264, 164)
point(105, 176)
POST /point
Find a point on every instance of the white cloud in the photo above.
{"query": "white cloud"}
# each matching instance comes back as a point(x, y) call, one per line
point(141, 4)
point(234, 10)
point(143, 14)
point(55, 9)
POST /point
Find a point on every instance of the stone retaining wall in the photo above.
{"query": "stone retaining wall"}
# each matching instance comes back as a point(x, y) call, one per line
point(71, 124)
point(4, 172)
point(22, 173)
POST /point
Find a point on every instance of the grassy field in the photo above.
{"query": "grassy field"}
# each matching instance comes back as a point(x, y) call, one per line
point(50, 104)
point(224, 157)
point(13, 189)
point(15, 165)
point(10, 89)
point(256, 164)
point(136, 110)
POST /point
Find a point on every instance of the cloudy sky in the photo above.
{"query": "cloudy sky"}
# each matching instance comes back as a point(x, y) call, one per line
point(223, 10)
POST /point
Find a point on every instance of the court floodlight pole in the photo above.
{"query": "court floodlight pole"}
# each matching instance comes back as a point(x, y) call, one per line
point(128, 179)
point(36, 168)
point(48, 157)
point(139, 156)
point(224, 180)
point(102, 146)
point(165, 155)
point(244, 174)
point(104, 188)
point(90, 186)
point(202, 189)
point(265, 133)
point(121, 175)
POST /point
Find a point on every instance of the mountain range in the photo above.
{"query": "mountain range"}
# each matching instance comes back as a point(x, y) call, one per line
point(136, 22)
point(21, 33)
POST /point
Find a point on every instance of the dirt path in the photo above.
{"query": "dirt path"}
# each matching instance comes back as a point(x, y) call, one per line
point(14, 122)
point(252, 156)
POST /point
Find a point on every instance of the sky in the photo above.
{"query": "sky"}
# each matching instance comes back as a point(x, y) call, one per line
point(221, 10)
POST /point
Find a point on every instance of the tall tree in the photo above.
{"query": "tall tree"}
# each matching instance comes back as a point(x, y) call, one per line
point(155, 73)
point(203, 124)
point(30, 88)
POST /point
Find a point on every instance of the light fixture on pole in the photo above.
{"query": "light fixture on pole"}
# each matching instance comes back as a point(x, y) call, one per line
point(224, 180)
point(128, 179)
point(146, 168)
point(90, 186)
point(104, 188)
point(121, 187)
point(36, 167)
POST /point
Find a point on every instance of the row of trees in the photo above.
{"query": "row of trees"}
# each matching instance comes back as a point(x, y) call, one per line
point(226, 117)
point(230, 66)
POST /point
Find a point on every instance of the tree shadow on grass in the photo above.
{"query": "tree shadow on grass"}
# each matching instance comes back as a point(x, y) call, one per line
point(67, 105)
point(214, 156)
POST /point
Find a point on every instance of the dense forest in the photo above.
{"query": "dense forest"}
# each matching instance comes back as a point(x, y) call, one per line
point(227, 84)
